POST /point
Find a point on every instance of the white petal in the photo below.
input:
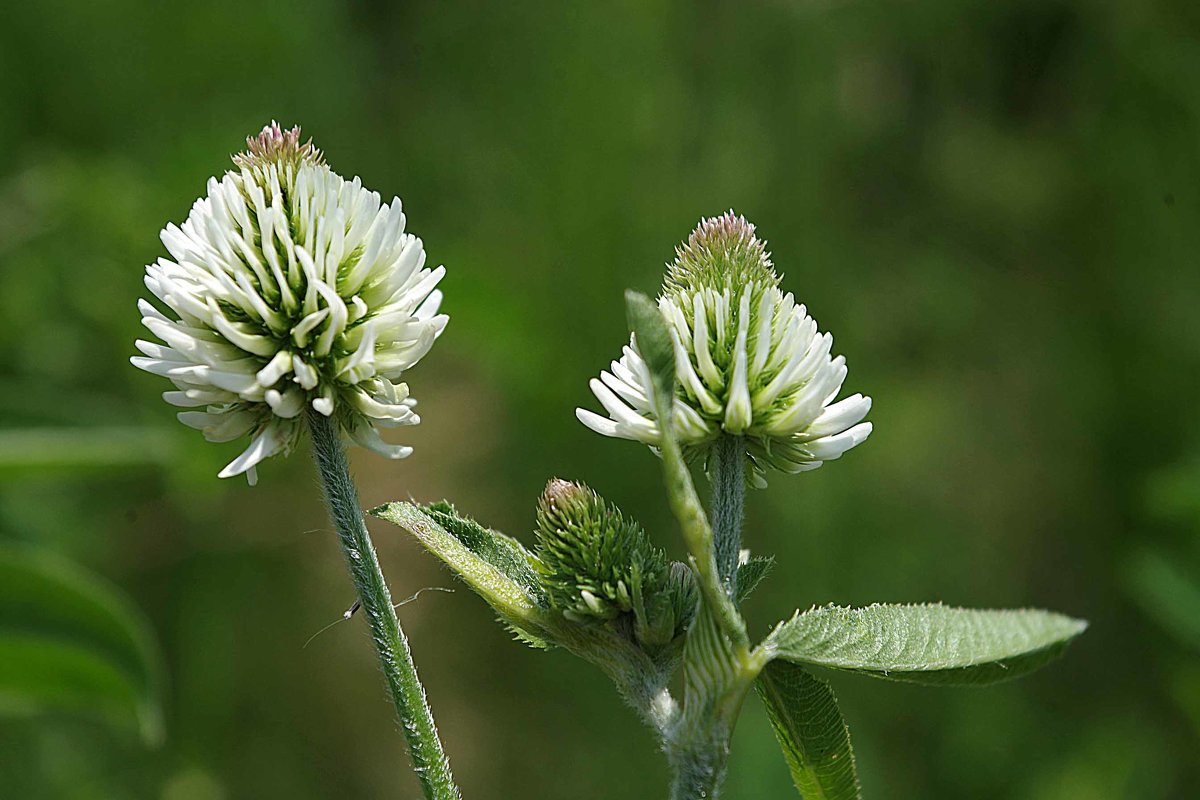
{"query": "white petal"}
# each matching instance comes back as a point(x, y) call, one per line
point(430, 306)
point(338, 314)
point(286, 404)
point(361, 362)
point(832, 447)
point(632, 395)
point(306, 376)
point(250, 342)
point(275, 369)
point(840, 416)
point(160, 353)
point(704, 360)
point(762, 338)
point(267, 443)
point(220, 427)
point(399, 413)
point(690, 380)
point(601, 425)
point(616, 409)
point(323, 405)
point(300, 333)
point(369, 438)
point(738, 412)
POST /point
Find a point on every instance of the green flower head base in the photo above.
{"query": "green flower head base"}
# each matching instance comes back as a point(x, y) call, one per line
point(288, 288)
point(595, 563)
point(750, 362)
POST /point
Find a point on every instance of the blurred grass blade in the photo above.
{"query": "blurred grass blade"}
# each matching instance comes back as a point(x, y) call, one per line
point(24, 449)
point(1166, 593)
point(39, 674)
point(811, 732)
point(926, 643)
point(70, 642)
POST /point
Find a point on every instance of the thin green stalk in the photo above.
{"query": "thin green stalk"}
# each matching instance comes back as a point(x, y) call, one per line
point(425, 748)
point(726, 469)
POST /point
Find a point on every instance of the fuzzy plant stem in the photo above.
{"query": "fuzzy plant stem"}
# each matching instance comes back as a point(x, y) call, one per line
point(718, 668)
point(425, 748)
point(700, 770)
point(726, 469)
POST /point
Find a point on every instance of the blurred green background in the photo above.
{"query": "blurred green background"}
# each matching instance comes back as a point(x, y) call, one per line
point(993, 205)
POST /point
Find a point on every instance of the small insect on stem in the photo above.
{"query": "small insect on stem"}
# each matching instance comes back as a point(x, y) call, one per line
point(353, 609)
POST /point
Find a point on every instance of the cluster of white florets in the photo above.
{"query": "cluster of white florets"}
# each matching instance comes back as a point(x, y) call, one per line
point(290, 288)
point(750, 362)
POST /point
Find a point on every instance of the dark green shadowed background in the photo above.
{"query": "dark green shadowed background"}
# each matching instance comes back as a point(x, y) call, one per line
point(994, 206)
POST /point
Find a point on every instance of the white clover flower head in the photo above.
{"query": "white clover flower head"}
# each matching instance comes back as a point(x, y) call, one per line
point(288, 288)
point(750, 362)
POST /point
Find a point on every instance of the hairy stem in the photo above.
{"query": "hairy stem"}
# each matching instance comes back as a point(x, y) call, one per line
point(728, 500)
point(416, 720)
point(698, 767)
point(698, 536)
point(717, 674)
point(717, 664)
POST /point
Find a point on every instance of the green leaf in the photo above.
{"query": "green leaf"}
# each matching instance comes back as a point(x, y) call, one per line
point(751, 574)
point(654, 343)
point(811, 732)
point(925, 643)
point(496, 566)
point(503, 552)
point(68, 641)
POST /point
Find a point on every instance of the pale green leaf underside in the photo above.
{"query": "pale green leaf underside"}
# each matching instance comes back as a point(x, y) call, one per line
point(503, 552)
point(69, 642)
point(811, 732)
point(926, 643)
point(489, 562)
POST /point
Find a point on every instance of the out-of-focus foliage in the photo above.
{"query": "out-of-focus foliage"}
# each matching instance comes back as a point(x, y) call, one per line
point(68, 643)
point(993, 206)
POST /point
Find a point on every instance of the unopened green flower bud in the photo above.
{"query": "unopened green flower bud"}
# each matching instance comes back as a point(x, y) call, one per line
point(596, 563)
